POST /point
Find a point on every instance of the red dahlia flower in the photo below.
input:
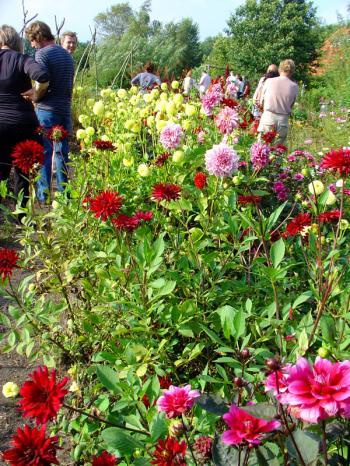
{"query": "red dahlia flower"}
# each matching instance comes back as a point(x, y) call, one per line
point(106, 204)
point(31, 448)
point(105, 459)
point(331, 216)
point(202, 448)
point(245, 428)
point(226, 102)
point(160, 160)
point(42, 397)
point(26, 154)
point(8, 261)
point(244, 200)
point(146, 216)
point(165, 382)
point(200, 180)
point(103, 145)
point(126, 222)
point(298, 224)
point(165, 191)
point(269, 136)
point(57, 133)
point(337, 160)
point(169, 452)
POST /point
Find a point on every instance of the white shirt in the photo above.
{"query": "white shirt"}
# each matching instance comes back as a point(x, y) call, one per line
point(204, 83)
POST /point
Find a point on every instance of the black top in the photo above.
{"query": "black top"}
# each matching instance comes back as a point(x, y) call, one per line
point(16, 72)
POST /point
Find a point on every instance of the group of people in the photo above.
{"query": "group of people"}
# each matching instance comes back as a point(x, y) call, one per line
point(24, 108)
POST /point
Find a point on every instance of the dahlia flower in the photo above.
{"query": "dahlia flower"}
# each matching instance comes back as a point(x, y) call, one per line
point(298, 224)
point(227, 120)
point(105, 204)
point(31, 447)
point(177, 400)
point(126, 222)
point(104, 459)
point(171, 136)
point(200, 180)
point(245, 428)
point(57, 133)
point(165, 192)
point(26, 154)
point(221, 160)
point(42, 397)
point(8, 261)
point(259, 155)
point(169, 452)
point(337, 160)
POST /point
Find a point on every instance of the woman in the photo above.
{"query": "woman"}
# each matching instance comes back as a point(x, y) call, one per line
point(188, 83)
point(146, 80)
point(272, 72)
point(18, 121)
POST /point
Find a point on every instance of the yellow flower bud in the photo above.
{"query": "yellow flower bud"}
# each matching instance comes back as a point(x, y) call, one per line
point(178, 156)
point(98, 108)
point(90, 131)
point(128, 162)
point(190, 110)
point(81, 134)
point(331, 199)
point(316, 187)
point(164, 87)
point(143, 170)
point(121, 93)
point(175, 84)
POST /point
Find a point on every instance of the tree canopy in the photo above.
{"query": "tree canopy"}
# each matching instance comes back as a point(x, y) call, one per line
point(261, 32)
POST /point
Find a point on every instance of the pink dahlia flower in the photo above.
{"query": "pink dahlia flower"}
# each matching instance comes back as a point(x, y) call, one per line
point(212, 98)
point(227, 120)
point(177, 400)
point(245, 428)
point(171, 136)
point(221, 160)
point(259, 155)
point(318, 392)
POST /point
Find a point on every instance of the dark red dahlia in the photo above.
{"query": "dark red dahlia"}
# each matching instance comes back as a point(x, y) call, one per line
point(202, 449)
point(126, 222)
point(337, 160)
point(226, 102)
point(8, 261)
point(43, 396)
point(160, 160)
point(165, 382)
point(279, 149)
point(200, 180)
point(26, 154)
point(332, 216)
point(146, 216)
point(40, 130)
point(244, 200)
point(57, 133)
point(269, 136)
point(103, 145)
point(275, 235)
point(31, 448)
point(166, 192)
point(106, 204)
point(145, 401)
point(105, 459)
point(169, 452)
point(297, 225)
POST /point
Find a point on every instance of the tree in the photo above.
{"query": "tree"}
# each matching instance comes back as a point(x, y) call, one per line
point(115, 21)
point(261, 32)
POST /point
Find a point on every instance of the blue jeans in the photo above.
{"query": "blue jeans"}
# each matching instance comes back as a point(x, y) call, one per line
point(48, 119)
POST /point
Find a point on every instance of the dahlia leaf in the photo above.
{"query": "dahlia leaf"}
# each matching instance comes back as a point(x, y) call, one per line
point(213, 404)
point(120, 440)
point(278, 250)
point(308, 446)
point(108, 377)
point(261, 410)
point(159, 427)
point(224, 455)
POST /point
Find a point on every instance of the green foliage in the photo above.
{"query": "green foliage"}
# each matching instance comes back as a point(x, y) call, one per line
point(261, 32)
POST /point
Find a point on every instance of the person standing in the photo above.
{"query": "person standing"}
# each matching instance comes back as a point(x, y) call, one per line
point(188, 83)
point(55, 107)
point(204, 83)
point(278, 97)
point(69, 41)
point(271, 72)
point(147, 79)
point(18, 121)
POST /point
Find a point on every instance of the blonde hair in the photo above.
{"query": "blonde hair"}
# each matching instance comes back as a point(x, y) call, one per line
point(9, 37)
point(189, 74)
point(287, 66)
point(70, 34)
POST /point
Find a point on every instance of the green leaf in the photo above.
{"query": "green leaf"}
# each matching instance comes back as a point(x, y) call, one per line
point(159, 427)
point(227, 315)
point(275, 216)
point(265, 457)
point(224, 455)
point(108, 377)
point(278, 250)
point(212, 403)
point(261, 410)
point(239, 324)
point(118, 439)
point(166, 289)
point(308, 445)
point(302, 298)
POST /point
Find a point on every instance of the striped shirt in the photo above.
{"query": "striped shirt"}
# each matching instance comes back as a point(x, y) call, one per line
point(59, 64)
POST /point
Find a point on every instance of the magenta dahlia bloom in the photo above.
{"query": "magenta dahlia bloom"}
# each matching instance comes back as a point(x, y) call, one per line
point(318, 392)
point(221, 160)
point(227, 120)
point(171, 136)
point(259, 155)
point(245, 428)
point(177, 400)
point(211, 99)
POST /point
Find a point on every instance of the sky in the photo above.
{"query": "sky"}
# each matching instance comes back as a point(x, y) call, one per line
point(210, 15)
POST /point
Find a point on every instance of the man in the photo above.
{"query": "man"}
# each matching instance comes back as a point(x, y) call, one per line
point(55, 107)
point(69, 41)
point(147, 79)
point(278, 97)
